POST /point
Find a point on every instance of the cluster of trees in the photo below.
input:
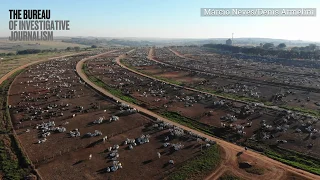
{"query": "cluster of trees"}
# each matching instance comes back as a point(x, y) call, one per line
point(76, 48)
point(29, 51)
point(183, 46)
point(308, 52)
point(7, 54)
point(310, 47)
point(272, 46)
point(36, 51)
point(84, 41)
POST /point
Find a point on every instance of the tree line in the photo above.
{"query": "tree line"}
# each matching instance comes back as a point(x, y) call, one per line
point(37, 51)
point(268, 49)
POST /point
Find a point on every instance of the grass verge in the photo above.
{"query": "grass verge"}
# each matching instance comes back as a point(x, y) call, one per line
point(113, 91)
point(295, 159)
point(176, 117)
point(13, 163)
point(198, 167)
point(303, 110)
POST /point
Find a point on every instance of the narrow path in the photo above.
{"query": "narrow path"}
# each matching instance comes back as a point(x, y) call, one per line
point(180, 55)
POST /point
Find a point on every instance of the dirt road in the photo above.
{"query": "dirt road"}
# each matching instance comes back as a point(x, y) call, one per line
point(276, 170)
point(180, 55)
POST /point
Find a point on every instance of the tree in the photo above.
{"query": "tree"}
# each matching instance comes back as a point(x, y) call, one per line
point(268, 45)
point(295, 49)
point(10, 54)
point(77, 48)
point(93, 46)
point(282, 45)
point(29, 51)
point(312, 47)
point(68, 48)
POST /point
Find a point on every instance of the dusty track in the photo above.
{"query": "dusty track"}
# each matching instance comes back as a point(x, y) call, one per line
point(180, 55)
point(276, 170)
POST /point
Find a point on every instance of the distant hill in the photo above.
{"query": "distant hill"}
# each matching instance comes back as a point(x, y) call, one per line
point(136, 41)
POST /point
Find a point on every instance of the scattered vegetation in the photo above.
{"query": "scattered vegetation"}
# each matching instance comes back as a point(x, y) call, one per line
point(169, 80)
point(176, 117)
point(118, 93)
point(199, 166)
point(232, 96)
point(29, 51)
point(295, 159)
point(303, 110)
point(292, 158)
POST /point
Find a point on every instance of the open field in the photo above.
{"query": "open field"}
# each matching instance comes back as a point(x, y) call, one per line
point(49, 104)
point(155, 97)
point(288, 85)
point(14, 163)
point(9, 63)
point(258, 122)
point(7, 46)
point(49, 100)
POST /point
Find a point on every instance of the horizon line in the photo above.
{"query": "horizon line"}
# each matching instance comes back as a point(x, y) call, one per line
point(177, 38)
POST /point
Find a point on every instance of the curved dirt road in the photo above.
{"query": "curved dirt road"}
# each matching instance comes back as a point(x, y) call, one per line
point(276, 170)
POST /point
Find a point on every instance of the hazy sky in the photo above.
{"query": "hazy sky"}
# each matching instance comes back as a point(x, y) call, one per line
point(170, 18)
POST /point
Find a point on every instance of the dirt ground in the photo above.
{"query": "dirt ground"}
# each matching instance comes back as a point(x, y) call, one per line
point(141, 162)
point(65, 157)
point(277, 172)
